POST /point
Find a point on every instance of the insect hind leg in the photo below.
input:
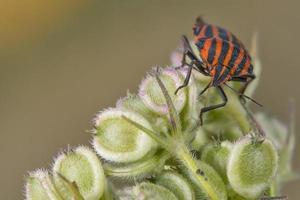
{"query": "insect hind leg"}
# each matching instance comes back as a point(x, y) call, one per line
point(247, 79)
point(213, 107)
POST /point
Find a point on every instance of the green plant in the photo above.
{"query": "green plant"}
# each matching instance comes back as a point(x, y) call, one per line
point(152, 147)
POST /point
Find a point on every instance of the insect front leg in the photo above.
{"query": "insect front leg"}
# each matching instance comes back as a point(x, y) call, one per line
point(194, 64)
point(187, 78)
point(183, 60)
point(213, 107)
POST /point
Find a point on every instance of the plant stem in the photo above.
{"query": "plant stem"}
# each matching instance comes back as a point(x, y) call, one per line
point(239, 116)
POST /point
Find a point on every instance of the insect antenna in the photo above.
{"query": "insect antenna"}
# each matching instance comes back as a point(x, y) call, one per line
point(243, 95)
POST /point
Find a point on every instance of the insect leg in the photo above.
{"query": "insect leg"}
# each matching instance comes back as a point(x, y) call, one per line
point(186, 80)
point(248, 81)
point(204, 90)
point(188, 51)
point(183, 60)
point(242, 96)
point(246, 78)
point(195, 63)
point(213, 107)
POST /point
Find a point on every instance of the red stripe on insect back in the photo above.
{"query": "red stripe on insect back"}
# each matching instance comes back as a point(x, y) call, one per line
point(229, 35)
point(212, 72)
point(219, 44)
point(201, 34)
point(229, 54)
point(204, 50)
point(246, 67)
point(222, 72)
point(215, 31)
point(237, 61)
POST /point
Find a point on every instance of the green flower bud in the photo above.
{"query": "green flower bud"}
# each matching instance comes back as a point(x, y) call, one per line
point(82, 167)
point(109, 192)
point(153, 97)
point(177, 184)
point(149, 191)
point(119, 141)
point(134, 103)
point(67, 189)
point(216, 155)
point(147, 166)
point(232, 195)
point(39, 186)
point(252, 166)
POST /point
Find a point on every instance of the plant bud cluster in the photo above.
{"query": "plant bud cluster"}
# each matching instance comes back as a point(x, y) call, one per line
point(151, 146)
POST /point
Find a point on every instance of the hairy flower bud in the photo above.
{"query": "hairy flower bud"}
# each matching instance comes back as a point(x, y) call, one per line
point(147, 191)
point(176, 183)
point(251, 167)
point(147, 166)
point(134, 103)
point(152, 96)
point(40, 186)
point(216, 155)
point(119, 141)
point(82, 167)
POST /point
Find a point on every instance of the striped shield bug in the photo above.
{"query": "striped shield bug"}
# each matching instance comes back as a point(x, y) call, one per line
point(223, 58)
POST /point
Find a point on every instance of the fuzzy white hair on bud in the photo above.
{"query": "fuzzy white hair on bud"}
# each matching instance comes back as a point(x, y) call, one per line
point(216, 155)
point(82, 167)
point(147, 190)
point(117, 140)
point(152, 96)
point(145, 167)
point(39, 186)
point(176, 183)
point(252, 166)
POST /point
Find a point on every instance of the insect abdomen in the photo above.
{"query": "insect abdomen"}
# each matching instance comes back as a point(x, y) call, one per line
point(216, 52)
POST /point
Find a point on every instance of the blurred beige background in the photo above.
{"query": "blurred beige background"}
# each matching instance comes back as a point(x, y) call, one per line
point(62, 61)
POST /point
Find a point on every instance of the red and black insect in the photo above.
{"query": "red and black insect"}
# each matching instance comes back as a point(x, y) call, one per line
point(223, 57)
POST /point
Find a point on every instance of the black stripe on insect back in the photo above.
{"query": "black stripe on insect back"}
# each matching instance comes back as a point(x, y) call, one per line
point(223, 34)
point(212, 51)
point(241, 65)
point(250, 69)
point(235, 40)
point(200, 43)
point(234, 56)
point(222, 77)
point(208, 31)
point(225, 47)
point(217, 74)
